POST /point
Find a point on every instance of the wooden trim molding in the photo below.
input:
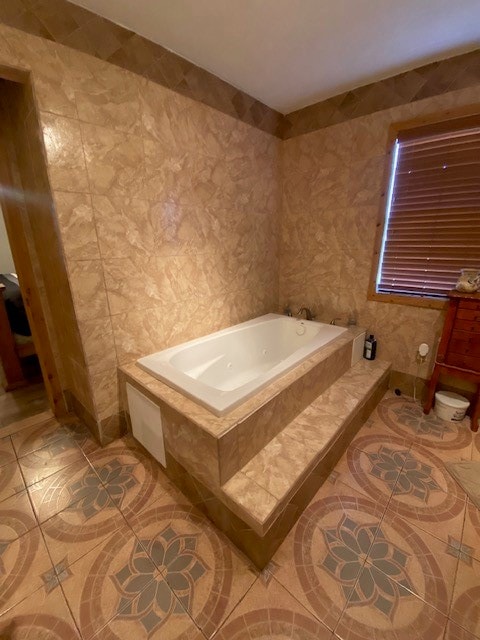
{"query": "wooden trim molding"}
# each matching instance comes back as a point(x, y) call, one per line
point(73, 26)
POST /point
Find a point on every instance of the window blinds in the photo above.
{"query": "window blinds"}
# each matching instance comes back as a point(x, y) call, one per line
point(432, 227)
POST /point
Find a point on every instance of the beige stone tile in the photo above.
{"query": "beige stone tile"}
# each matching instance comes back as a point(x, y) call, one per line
point(63, 144)
point(110, 98)
point(88, 289)
point(77, 226)
point(138, 333)
point(243, 491)
point(105, 392)
point(162, 112)
point(125, 226)
point(471, 532)
point(98, 344)
point(115, 161)
point(278, 465)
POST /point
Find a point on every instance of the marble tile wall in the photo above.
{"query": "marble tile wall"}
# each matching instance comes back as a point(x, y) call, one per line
point(332, 181)
point(167, 208)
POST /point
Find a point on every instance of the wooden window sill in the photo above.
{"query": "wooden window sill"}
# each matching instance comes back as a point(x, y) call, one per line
point(413, 301)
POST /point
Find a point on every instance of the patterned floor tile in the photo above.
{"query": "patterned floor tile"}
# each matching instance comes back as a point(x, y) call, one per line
point(454, 632)
point(165, 620)
point(465, 610)
point(82, 436)
point(106, 582)
point(381, 608)
point(75, 531)
point(11, 480)
point(7, 452)
point(37, 437)
point(321, 558)
point(415, 560)
point(373, 466)
point(447, 440)
point(428, 497)
point(132, 479)
point(25, 567)
point(43, 615)
point(269, 611)
point(46, 461)
point(471, 531)
point(16, 516)
point(75, 484)
point(207, 574)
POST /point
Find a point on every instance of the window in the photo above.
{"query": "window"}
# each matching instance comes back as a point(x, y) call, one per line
point(431, 211)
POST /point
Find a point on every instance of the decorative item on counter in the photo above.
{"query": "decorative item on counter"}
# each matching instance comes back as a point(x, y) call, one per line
point(370, 349)
point(469, 281)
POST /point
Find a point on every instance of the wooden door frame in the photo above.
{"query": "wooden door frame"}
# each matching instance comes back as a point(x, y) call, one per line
point(14, 214)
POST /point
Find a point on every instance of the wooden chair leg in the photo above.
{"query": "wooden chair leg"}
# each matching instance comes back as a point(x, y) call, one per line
point(476, 410)
point(431, 389)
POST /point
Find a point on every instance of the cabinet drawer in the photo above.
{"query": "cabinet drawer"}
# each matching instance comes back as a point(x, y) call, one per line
point(465, 343)
point(466, 325)
point(468, 314)
point(469, 304)
point(464, 362)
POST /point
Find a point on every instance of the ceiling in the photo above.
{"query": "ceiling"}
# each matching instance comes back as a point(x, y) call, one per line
point(291, 53)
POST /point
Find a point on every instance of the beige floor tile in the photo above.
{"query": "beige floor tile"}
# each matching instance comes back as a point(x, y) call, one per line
point(37, 437)
point(7, 452)
point(107, 580)
point(75, 531)
point(381, 608)
point(454, 632)
point(321, 558)
point(16, 516)
point(415, 560)
point(132, 479)
point(46, 461)
point(476, 446)
point(373, 467)
point(465, 610)
point(269, 611)
point(471, 532)
point(11, 480)
point(44, 614)
point(26, 567)
point(205, 571)
point(65, 488)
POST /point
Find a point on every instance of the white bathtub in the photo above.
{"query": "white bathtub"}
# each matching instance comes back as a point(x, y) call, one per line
point(223, 369)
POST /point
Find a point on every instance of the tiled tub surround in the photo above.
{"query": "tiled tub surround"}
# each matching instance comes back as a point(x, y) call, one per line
point(167, 210)
point(222, 370)
point(214, 448)
point(300, 422)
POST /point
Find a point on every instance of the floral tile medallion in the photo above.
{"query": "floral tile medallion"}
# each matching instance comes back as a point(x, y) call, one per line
point(206, 573)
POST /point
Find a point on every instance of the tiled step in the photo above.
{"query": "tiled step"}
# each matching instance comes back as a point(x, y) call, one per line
point(306, 449)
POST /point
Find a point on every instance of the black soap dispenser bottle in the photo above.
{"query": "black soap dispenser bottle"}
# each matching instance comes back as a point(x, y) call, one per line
point(370, 348)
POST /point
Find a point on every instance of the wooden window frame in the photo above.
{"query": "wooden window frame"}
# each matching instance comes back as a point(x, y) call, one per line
point(441, 119)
